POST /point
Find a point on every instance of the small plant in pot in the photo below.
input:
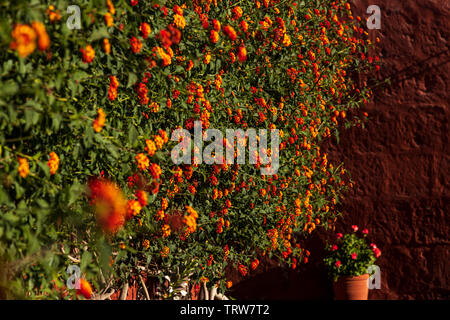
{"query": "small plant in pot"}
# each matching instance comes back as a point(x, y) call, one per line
point(348, 260)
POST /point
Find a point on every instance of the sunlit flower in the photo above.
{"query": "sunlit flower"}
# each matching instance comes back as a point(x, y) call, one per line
point(24, 39)
point(85, 289)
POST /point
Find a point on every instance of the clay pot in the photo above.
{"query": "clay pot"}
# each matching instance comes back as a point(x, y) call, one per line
point(351, 288)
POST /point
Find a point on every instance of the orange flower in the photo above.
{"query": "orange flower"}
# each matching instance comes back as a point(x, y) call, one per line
point(159, 142)
point(230, 32)
point(146, 244)
point(216, 25)
point(113, 85)
point(244, 25)
point(136, 44)
point(165, 251)
point(53, 14)
point(255, 264)
point(85, 289)
point(106, 46)
point(177, 10)
point(109, 20)
point(99, 123)
point(164, 56)
point(190, 65)
point(155, 171)
point(214, 37)
point(237, 12)
point(179, 21)
point(142, 197)
point(164, 203)
point(133, 208)
point(24, 168)
point(229, 284)
point(110, 205)
point(154, 107)
point(243, 270)
point(111, 8)
point(53, 163)
point(145, 30)
point(151, 147)
point(163, 135)
point(242, 53)
point(24, 39)
point(142, 161)
point(166, 230)
point(88, 54)
point(207, 58)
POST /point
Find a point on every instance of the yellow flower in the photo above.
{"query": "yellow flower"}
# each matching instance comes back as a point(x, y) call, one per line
point(146, 244)
point(151, 147)
point(99, 123)
point(207, 58)
point(179, 21)
point(142, 161)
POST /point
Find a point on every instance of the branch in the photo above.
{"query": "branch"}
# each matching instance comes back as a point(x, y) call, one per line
point(220, 296)
point(124, 293)
point(145, 287)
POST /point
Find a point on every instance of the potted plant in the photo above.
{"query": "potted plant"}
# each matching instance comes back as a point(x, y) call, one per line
point(348, 259)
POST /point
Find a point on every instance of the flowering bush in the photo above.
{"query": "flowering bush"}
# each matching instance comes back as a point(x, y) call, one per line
point(351, 255)
point(86, 116)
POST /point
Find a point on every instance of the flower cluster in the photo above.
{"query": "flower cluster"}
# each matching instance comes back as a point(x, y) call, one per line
point(350, 255)
point(285, 65)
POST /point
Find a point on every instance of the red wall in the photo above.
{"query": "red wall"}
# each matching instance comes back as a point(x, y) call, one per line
point(400, 163)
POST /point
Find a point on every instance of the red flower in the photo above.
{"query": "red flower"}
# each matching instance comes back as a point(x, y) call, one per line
point(377, 252)
point(242, 270)
point(255, 264)
point(85, 289)
point(338, 263)
point(355, 228)
point(136, 44)
point(334, 247)
point(365, 231)
point(339, 235)
point(354, 255)
point(216, 25)
point(134, 2)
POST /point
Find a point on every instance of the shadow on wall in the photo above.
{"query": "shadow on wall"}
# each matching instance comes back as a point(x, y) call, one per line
point(308, 282)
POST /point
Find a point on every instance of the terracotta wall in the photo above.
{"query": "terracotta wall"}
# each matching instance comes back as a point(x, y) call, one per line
point(400, 163)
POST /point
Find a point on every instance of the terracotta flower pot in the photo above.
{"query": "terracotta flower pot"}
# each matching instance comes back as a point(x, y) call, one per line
point(351, 288)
